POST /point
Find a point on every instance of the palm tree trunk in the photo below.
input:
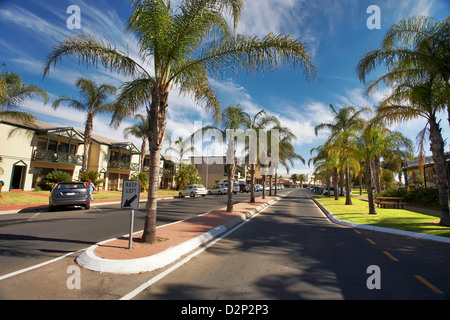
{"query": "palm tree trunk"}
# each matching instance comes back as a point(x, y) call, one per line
point(270, 185)
point(157, 133)
point(348, 198)
point(437, 149)
point(335, 183)
point(231, 168)
point(369, 185)
point(87, 139)
point(328, 182)
point(276, 178)
point(143, 147)
point(252, 183)
point(264, 187)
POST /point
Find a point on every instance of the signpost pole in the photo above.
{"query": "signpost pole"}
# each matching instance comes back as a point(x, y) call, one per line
point(130, 243)
point(130, 200)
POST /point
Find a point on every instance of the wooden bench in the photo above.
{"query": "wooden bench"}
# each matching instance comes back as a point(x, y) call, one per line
point(395, 204)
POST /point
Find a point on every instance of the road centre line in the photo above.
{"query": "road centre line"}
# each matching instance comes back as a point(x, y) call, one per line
point(390, 256)
point(428, 284)
point(372, 242)
point(160, 276)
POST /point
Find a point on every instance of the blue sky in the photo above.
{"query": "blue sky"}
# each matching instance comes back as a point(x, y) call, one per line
point(335, 32)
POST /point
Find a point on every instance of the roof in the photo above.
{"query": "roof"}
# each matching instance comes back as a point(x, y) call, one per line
point(77, 134)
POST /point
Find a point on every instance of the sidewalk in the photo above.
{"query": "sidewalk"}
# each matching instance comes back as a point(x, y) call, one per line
point(175, 240)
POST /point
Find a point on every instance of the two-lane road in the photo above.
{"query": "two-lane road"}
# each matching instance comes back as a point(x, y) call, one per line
point(32, 237)
point(291, 251)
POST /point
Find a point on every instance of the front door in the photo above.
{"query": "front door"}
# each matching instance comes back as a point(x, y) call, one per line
point(18, 176)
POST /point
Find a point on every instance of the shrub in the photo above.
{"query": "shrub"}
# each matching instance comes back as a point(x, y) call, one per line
point(53, 178)
point(91, 175)
point(143, 179)
point(420, 196)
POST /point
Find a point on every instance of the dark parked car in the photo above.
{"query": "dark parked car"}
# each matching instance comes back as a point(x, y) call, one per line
point(244, 187)
point(69, 194)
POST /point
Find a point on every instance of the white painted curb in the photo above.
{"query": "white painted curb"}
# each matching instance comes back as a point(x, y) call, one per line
point(87, 259)
point(380, 229)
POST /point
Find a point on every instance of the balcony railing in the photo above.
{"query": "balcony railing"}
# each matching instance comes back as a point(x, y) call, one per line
point(123, 165)
point(58, 157)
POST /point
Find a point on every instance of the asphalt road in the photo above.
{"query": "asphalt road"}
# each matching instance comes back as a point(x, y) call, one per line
point(36, 235)
point(290, 251)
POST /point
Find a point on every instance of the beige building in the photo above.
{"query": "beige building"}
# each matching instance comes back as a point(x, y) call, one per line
point(30, 152)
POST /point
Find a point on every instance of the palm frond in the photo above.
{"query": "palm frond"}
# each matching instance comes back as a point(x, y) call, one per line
point(92, 50)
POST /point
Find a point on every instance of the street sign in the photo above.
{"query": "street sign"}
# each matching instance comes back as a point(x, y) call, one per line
point(130, 194)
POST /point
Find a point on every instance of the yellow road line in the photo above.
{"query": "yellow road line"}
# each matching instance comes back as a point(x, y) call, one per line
point(429, 285)
point(370, 241)
point(390, 256)
point(357, 231)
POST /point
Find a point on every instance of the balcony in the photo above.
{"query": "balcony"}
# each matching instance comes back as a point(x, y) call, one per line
point(123, 165)
point(57, 157)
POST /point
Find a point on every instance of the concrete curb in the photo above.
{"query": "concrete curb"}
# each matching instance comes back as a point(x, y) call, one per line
point(380, 229)
point(87, 259)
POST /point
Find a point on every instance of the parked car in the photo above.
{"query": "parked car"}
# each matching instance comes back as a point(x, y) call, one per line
point(235, 187)
point(69, 194)
point(244, 187)
point(258, 187)
point(193, 190)
point(219, 189)
point(325, 191)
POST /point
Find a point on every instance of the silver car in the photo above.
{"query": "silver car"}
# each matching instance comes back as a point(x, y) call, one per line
point(193, 190)
point(220, 189)
point(69, 194)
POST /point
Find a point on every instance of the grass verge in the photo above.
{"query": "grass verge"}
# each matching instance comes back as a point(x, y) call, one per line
point(387, 218)
point(38, 197)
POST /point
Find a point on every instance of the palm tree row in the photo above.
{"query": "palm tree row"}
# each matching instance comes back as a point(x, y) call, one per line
point(354, 148)
point(416, 54)
point(184, 45)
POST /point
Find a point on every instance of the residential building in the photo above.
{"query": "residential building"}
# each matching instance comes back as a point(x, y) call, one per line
point(411, 171)
point(30, 152)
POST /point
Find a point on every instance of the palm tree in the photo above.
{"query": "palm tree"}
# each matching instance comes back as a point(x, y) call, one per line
point(181, 147)
point(184, 45)
point(346, 122)
point(139, 130)
point(287, 154)
point(414, 100)
point(260, 121)
point(412, 48)
point(13, 92)
point(323, 162)
point(233, 119)
point(94, 102)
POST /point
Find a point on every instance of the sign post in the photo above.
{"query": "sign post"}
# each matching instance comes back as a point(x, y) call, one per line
point(130, 200)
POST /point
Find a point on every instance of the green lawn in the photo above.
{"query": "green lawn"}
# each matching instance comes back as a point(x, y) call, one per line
point(13, 198)
point(387, 218)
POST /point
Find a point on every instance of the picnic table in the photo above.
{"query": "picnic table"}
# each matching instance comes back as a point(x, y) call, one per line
point(394, 201)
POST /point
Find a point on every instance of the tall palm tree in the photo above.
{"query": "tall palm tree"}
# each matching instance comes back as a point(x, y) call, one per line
point(185, 45)
point(13, 92)
point(260, 121)
point(140, 131)
point(287, 154)
point(94, 101)
point(181, 147)
point(411, 100)
point(346, 122)
point(412, 48)
point(323, 162)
